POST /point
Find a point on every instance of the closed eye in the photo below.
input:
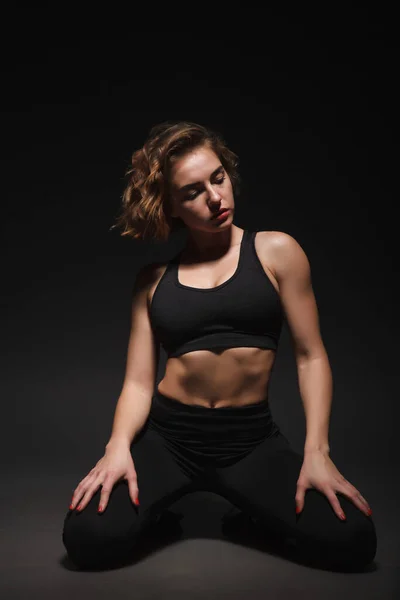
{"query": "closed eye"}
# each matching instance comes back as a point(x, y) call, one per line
point(194, 193)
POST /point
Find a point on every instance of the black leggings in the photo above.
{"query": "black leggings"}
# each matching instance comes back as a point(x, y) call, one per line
point(236, 452)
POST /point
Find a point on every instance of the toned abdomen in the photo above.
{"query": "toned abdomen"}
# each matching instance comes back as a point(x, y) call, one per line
point(219, 377)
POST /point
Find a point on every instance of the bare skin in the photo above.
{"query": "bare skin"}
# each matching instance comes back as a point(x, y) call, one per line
point(219, 377)
point(200, 188)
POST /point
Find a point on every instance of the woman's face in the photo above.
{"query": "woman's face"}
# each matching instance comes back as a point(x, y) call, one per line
point(200, 188)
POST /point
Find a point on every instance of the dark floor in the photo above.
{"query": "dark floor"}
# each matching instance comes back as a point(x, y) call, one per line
point(188, 553)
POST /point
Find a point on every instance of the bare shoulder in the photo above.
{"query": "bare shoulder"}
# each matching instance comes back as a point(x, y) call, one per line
point(277, 239)
point(284, 253)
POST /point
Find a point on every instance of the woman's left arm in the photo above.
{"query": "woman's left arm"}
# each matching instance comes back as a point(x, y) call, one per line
point(291, 269)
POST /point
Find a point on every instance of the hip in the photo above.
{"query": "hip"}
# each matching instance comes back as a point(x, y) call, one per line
point(192, 423)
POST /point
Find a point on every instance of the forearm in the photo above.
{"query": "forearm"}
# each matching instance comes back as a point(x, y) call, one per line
point(131, 413)
point(315, 383)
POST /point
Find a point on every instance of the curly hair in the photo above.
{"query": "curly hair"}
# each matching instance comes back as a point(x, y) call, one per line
point(146, 204)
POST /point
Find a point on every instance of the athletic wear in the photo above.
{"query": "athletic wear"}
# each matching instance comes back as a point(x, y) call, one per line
point(215, 437)
point(244, 311)
point(261, 482)
point(237, 452)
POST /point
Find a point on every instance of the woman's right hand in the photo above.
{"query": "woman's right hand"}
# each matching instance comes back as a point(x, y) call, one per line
point(116, 464)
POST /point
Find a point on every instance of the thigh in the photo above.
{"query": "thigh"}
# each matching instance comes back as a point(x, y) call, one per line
point(263, 484)
point(160, 476)
point(160, 482)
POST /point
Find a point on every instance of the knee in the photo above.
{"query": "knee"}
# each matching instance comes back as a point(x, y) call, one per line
point(355, 545)
point(360, 543)
point(91, 544)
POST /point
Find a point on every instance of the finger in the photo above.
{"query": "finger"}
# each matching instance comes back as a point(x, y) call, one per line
point(77, 495)
point(333, 499)
point(362, 499)
point(107, 486)
point(81, 489)
point(299, 498)
point(88, 496)
point(133, 489)
point(346, 488)
point(366, 503)
point(358, 500)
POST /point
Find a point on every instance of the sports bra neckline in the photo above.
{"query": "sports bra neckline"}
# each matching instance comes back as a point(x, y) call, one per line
point(217, 287)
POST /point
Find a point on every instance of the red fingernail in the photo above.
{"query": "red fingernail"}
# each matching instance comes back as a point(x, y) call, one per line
point(100, 509)
point(369, 512)
point(71, 506)
point(79, 507)
point(298, 509)
point(137, 502)
point(342, 516)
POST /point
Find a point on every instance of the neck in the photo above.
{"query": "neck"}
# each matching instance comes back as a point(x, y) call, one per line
point(202, 245)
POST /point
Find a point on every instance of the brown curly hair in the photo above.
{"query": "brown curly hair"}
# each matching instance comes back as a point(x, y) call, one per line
point(146, 201)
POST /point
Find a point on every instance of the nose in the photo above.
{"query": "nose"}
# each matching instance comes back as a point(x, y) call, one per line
point(214, 194)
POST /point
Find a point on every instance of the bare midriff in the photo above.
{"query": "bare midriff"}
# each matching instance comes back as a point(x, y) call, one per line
point(218, 377)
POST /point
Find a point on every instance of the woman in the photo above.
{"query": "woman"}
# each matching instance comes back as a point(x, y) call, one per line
point(217, 308)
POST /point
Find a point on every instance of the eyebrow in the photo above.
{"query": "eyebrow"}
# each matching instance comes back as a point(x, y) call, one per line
point(190, 185)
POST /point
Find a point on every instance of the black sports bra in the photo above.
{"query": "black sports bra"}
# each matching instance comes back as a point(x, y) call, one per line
point(244, 311)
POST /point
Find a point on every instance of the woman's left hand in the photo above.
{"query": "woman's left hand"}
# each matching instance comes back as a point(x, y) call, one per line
point(319, 472)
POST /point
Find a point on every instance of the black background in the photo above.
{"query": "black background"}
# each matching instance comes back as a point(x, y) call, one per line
point(307, 96)
point(309, 102)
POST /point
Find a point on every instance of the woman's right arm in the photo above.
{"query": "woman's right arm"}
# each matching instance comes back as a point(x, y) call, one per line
point(134, 402)
point(133, 406)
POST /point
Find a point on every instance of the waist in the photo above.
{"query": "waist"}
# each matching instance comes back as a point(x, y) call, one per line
point(215, 437)
point(185, 420)
point(173, 404)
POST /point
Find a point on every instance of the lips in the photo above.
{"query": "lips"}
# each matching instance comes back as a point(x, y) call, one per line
point(220, 212)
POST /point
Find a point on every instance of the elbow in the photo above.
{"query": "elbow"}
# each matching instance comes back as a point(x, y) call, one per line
point(306, 354)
